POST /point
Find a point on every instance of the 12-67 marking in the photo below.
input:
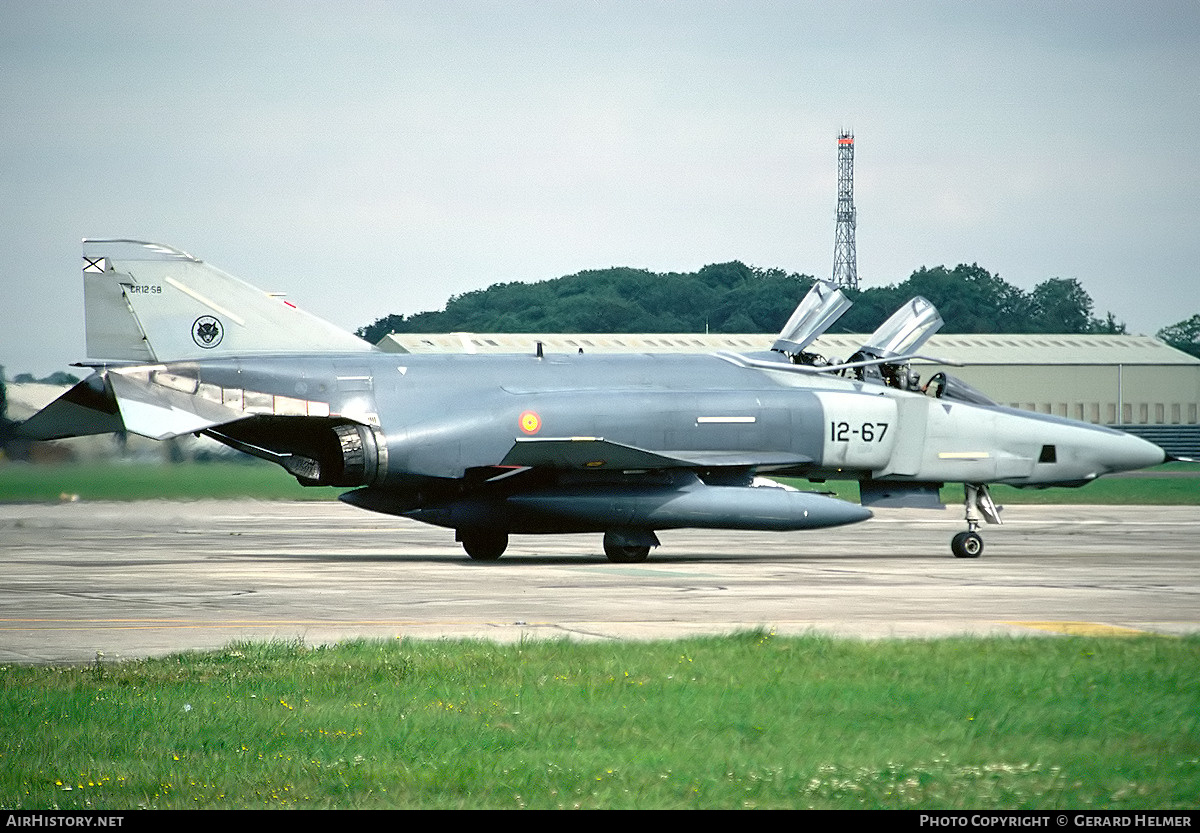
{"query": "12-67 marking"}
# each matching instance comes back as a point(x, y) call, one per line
point(841, 432)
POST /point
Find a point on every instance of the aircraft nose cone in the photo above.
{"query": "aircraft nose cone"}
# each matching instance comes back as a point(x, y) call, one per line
point(1128, 452)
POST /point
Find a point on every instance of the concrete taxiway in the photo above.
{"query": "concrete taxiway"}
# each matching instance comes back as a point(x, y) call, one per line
point(128, 580)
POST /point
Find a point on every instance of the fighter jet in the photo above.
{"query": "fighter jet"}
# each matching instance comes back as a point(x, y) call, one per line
point(621, 445)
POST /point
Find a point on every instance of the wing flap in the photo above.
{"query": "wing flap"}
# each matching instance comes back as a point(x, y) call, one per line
point(159, 412)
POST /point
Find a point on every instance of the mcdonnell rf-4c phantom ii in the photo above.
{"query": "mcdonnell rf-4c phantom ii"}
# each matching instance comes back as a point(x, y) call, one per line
point(492, 445)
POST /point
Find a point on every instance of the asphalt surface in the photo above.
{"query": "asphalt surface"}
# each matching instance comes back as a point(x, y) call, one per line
point(129, 580)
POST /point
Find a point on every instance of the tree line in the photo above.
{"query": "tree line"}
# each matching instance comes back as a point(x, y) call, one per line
point(1183, 336)
point(736, 298)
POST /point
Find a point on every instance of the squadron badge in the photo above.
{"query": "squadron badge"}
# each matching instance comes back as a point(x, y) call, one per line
point(207, 332)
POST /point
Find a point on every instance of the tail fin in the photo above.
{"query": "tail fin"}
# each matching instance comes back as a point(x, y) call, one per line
point(150, 303)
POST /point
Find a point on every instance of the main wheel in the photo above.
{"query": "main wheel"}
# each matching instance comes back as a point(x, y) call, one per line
point(486, 545)
point(966, 545)
point(625, 553)
point(629, 546)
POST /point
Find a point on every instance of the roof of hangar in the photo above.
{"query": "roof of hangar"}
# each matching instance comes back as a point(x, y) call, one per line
point(967, 348)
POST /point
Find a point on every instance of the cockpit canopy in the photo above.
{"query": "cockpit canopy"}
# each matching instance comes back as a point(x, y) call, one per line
point(817, 311)
point(905, 331)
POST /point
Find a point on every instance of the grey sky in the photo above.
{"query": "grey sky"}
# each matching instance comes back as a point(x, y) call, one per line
point(378, 157)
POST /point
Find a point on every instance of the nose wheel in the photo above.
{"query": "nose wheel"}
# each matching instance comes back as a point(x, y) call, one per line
point(967, 545)
point(980, 508)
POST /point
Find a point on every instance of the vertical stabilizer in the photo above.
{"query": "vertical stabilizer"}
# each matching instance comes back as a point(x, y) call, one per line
point(145, 302)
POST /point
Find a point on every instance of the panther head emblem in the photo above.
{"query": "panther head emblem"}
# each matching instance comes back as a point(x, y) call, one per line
point(207, 332)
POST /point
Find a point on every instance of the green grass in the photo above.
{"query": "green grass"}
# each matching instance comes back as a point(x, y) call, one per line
point(1134, 491)
point(146, 481)
point(143, 481)
point(1138, 488)
point(750, 720)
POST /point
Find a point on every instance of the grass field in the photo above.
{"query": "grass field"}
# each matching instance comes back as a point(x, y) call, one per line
point(146, 481)
point(254, 478)
point(1148, 488)
point(747, 721)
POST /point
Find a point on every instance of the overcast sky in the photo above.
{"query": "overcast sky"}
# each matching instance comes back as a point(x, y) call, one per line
point(378, 157)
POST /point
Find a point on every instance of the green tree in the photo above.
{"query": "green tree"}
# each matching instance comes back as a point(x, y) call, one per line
point(969, 298)
point(1109, 325)
point(618, 300)
point(7, 426)
point(733, 297)
point(1060, 305)
point(1185, 335)
point(381, 327)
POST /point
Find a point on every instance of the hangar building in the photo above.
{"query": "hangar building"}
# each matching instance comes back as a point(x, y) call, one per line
point(1135, 383)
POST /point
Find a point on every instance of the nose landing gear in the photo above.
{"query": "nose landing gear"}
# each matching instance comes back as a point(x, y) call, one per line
point(980, 508)
point(967, 544)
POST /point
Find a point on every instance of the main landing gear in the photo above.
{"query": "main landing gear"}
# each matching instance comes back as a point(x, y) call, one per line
point(483, 544)
point(629, 546)
point(980, 508)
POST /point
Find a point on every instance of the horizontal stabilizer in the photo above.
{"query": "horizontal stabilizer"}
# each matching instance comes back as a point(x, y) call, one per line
point(144, 400)
point(86, 409)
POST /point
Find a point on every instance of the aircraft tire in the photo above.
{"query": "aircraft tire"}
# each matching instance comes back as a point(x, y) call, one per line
point(967, 545)
point(621, 554)
point(484, 546)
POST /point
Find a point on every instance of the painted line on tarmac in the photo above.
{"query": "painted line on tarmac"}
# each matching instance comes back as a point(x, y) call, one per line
point(192, 624)
point(1082, 628)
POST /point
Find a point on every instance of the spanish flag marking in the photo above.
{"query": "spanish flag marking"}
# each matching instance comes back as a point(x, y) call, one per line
point(530, 422)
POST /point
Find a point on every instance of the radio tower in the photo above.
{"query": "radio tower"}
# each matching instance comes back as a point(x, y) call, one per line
point(845, 264)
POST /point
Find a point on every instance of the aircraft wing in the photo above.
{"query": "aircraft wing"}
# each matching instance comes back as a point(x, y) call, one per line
point(599, 453)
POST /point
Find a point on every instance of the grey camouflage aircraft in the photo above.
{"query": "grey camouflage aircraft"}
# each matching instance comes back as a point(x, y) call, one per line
point(492, 445)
